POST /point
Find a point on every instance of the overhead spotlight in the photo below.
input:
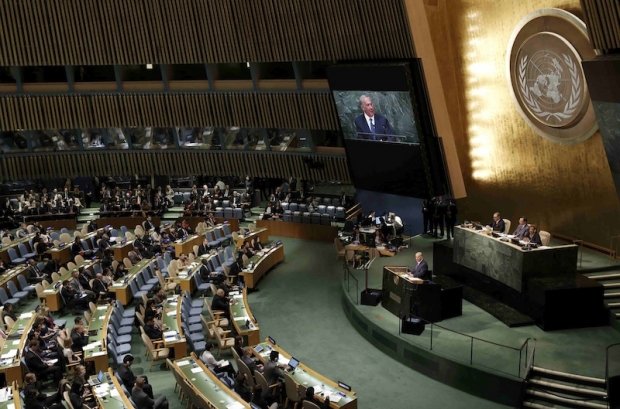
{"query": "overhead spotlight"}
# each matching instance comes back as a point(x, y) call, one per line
point(149, 66)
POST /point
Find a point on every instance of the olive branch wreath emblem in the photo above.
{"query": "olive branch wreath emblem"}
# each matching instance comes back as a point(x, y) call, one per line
point(569, 107)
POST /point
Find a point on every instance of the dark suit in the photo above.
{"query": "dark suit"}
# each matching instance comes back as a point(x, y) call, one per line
point(41, 369)
point(499, 225)
point(534, 239)
point(203, 249)
point(421, 270)
point(35, 275)
point(450, 215)
point(152, 332)
point(250, 364)
point(221, 304)
point(382, 129)
point(144, 401)
point(101, 289)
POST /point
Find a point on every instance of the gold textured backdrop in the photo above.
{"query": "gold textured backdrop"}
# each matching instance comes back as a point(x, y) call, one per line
point(506, 166)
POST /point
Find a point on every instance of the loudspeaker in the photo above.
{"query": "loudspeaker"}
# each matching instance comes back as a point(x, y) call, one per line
point(412, 325)
point(371, 297)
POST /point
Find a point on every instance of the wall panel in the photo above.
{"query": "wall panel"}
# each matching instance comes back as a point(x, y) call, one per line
point(602, 18)
point(124, 32)
point(563, 189)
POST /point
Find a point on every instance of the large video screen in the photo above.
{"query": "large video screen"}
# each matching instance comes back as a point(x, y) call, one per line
point(387, 126)
point(385, 116)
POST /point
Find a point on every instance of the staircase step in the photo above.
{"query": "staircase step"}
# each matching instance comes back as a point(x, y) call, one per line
point(612, 285)
point(605, 276)
point(571, 376)
point(574, 402)
point(568, 388)
point(613, 305)
point(537, 405)
point(611, 295)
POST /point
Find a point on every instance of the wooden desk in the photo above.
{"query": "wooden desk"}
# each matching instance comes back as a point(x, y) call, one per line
point(306, 231)
point(11, 367)
point(127, 221)
point(96, 350)
point(121, 250)
point(52, 294)
point(63, 253)
point(207, 385)
point(194, 220)
point(262, 264)
point(187, 246)
point(173, 335)
point(11, 275)
point(121, 286)
point(366, 249)
point(240, 313)
point(262, 233)
point(305, 377)
point(109, 393)
point(55, 221)
point(509, 263)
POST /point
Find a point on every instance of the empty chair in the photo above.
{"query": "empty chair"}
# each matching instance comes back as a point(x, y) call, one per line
point(219, 212)
point(223, 341)
point(225, 203)
point(15, 293)
point(227, 232)
point(79, 260)
point(327, 201)
point(65, 237)
point(96, 268)
point(136, 293)
point(23, 251)
point(148, 278)
point(23, 284)
point(284, 206)
point(228, 212)
point(293, 207)
point(297, 217)
point(64, 230)
point(335, 202)
point(118, 359)
point(340, 214)
point(193, 303)
point(84, 245)
point(303, 207)
point(288, 216)
point(123, 231)
point(113, 233)
point(316, 218)
point(125, 312)
point(14, 258)
point(55, 236)
point(186, 196)
point(156, 354)
point(142, 285)
point(507, 224)
point(306, 217)
point(321, 209)
point(217, 233)
point(545, 237)
point(326, 220)
point(237, 213)
point(117, 326)
point(120, 348)
point(331, 211)
point(4, 298)
point(213, 243)
point(123, 322)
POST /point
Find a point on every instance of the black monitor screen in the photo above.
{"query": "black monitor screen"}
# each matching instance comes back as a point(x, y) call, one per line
point(390, 140)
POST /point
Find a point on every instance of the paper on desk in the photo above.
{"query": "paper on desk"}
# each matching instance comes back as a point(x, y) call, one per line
point(235, 405)
point(171, 313)
point(318, 389)
point(99, 353)
point(102, 307)
point(196, 369)
point(92, 345)
point(170, 333)
point(10, 406)
point(238, 296)
point(335, 398)
point(241, 318)
point(26, 315)
point(4, 394)
point(114, 392)
point(182, 363)
point(11, 354)
point(16, 342)
point(117, 285)
point(282, 360)
point(48, 291)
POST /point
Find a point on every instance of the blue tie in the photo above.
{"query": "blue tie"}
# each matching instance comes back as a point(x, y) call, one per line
point(372, 128)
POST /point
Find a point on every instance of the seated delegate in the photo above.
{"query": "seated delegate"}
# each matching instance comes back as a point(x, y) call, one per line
point(532, 236)
point(498, 223)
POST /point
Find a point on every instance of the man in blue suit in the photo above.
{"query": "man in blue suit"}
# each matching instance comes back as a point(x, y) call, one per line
point(372, 126)
point(421, 268)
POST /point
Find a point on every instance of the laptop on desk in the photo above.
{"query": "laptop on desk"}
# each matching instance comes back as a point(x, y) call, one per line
point(92, 332)
point(97, 380)
point(293, 363)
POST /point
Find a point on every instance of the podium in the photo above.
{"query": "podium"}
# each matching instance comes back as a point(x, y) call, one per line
point(403, 296)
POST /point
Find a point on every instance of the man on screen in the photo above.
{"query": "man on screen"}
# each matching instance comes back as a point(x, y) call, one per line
point(369, 125)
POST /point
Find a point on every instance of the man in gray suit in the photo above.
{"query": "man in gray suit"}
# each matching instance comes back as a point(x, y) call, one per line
point(522, 228)
point(143, 401)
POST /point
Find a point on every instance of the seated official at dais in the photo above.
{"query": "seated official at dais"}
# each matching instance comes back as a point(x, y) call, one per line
point(532, 236)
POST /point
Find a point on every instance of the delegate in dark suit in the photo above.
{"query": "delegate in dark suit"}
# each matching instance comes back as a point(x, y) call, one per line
point(382, 130)
point(420, 270)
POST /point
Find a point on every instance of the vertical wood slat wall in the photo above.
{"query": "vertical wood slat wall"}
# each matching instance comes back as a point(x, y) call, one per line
point(124, 32)
point(602, 18)
point(263, 164)
point(299, 110)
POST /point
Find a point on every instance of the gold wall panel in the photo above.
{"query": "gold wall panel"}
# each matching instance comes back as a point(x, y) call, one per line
point(107, 32)
point(299, 110)
point(263, 164)
point(506, 166)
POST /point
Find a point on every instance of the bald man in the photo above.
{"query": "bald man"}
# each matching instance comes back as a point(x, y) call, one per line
point(421, 268)
point(221, 303)
point(100, 288)
point(144, 401)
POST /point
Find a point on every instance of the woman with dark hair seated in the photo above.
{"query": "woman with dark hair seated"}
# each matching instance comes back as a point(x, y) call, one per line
point(81, 396)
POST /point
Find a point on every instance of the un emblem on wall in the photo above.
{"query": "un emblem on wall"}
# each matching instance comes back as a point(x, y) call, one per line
point(546, 79)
